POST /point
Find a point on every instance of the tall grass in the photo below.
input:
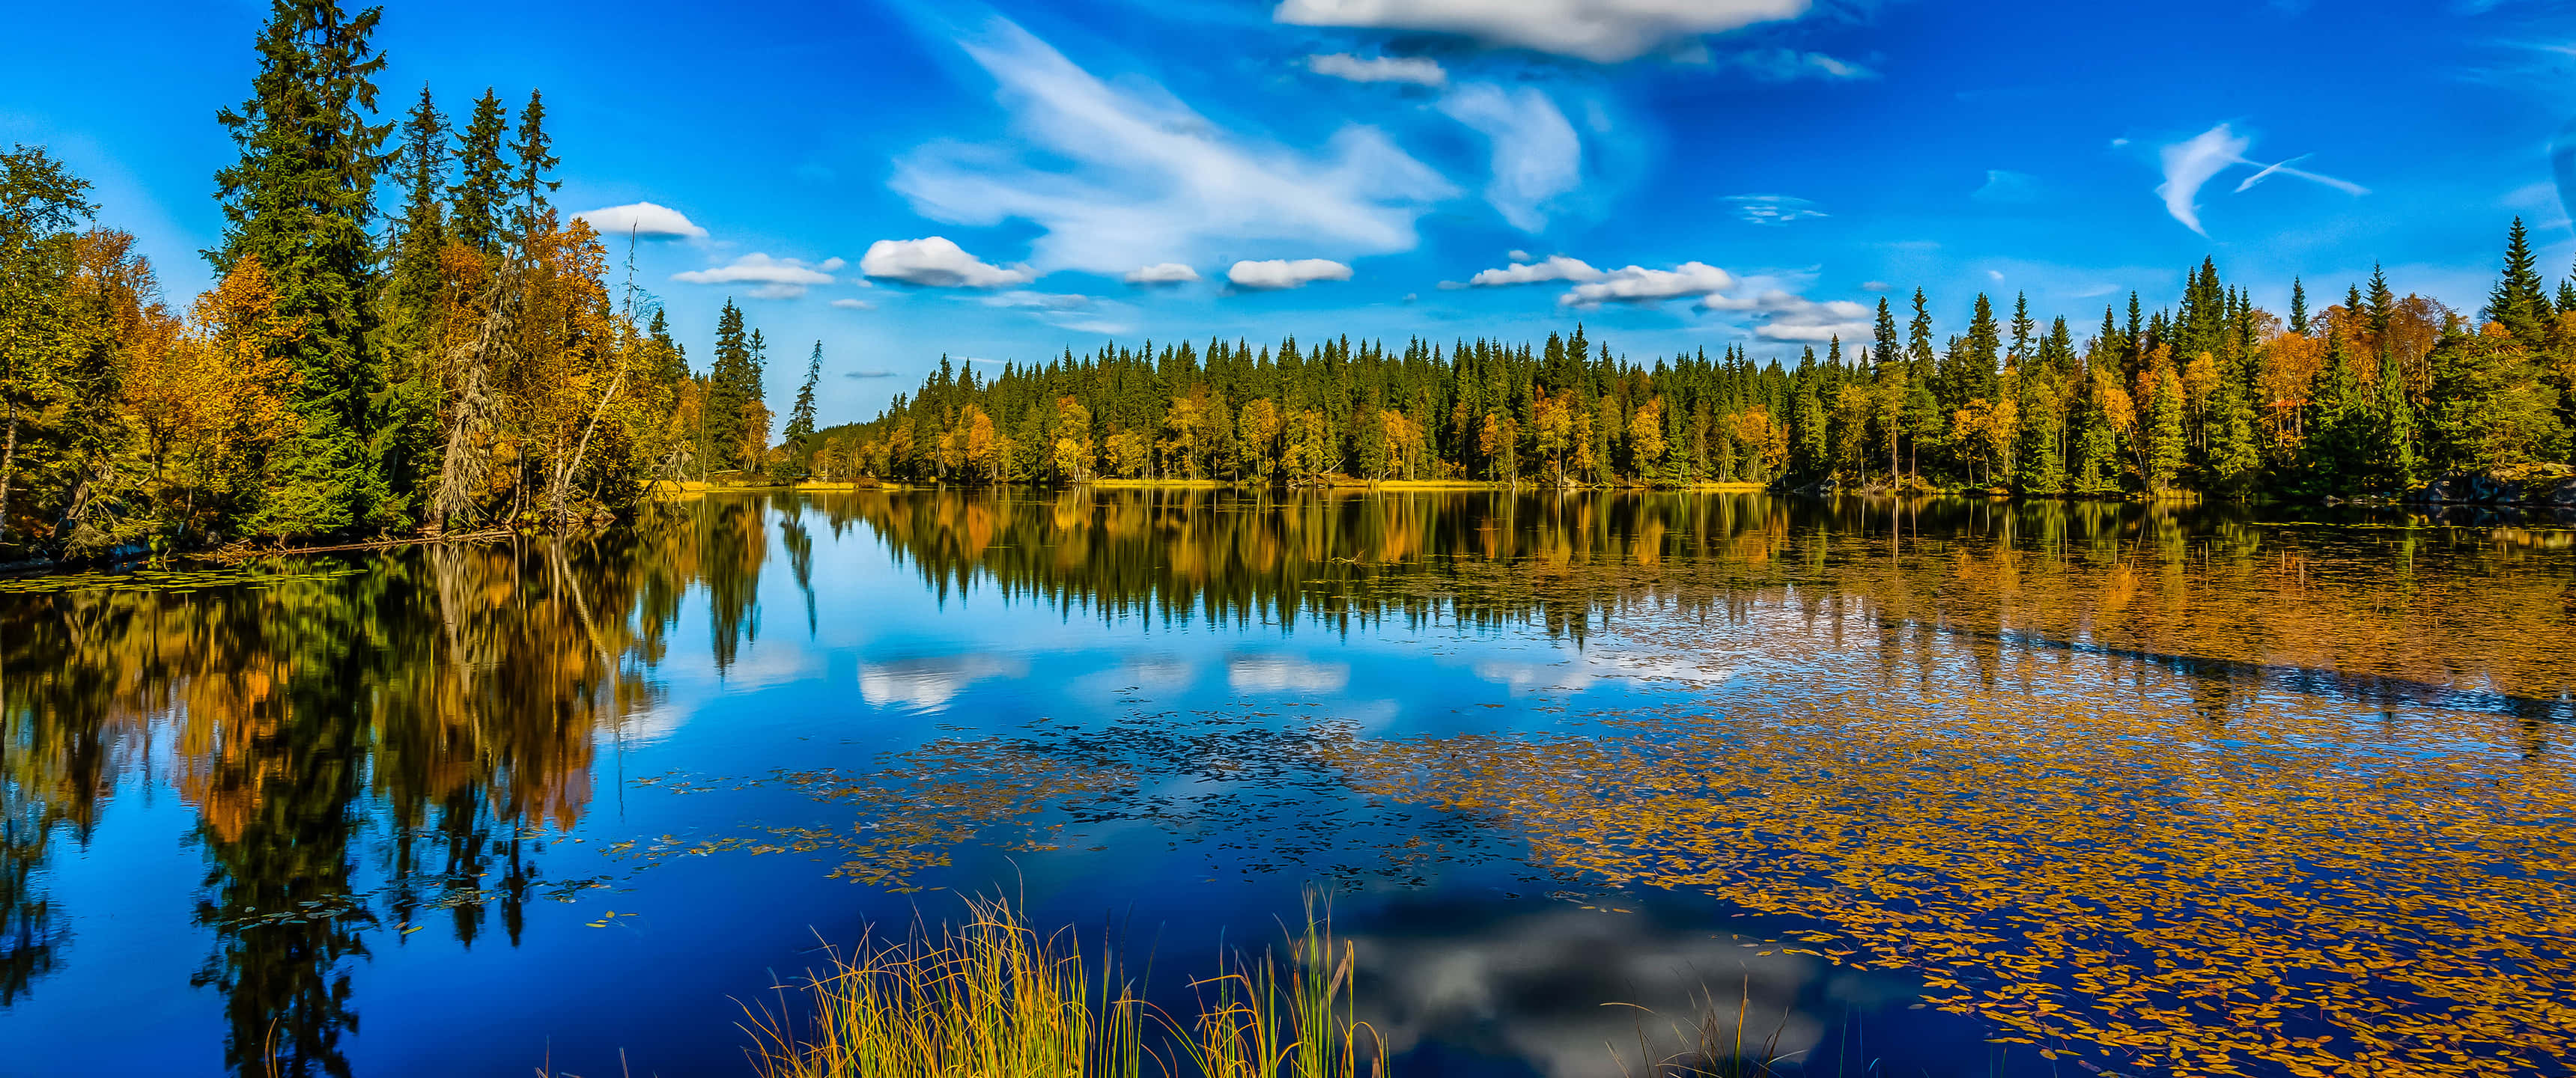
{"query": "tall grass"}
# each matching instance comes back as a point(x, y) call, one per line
point(993, 998)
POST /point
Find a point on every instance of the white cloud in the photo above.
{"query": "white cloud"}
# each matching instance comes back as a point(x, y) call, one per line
point(1787, 316)
point(937, 262)
point(1772, 209)
point(1518, 256)
point(1787, 65)
point(1603, 31)
point(1875, 286)
point(1556, 268)
point(642, 219)
point(778, 278)
point(1536, 154)
point(854, 305)
point(2192, 162)
point(2003, 185)
point(927, 684)
point(1279, 273)
point(1118, 177)
point(1419, 70)
point(1268, 673)
point(1041, 301)
point(1637, 284)
point(1161, 273)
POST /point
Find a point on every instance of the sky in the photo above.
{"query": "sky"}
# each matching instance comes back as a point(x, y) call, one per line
point(997, 182)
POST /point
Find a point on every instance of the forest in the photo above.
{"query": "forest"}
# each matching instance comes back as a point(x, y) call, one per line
point(2215, 397)
point(406, 336)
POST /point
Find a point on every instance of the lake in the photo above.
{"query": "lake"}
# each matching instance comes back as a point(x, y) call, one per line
point(1925, 787)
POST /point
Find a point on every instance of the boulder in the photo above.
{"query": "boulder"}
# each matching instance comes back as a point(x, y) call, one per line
point(2557, 495)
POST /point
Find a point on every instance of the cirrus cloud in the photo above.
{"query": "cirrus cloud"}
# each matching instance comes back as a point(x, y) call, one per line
point(937, 262)
point(1536, 154)
point(1278, 273)
point(1118, 177)
point(1602, 31)
point(1418, 70)
point(2192, 162)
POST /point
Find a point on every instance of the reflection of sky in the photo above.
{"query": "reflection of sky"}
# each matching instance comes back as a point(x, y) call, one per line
point(1214, 845)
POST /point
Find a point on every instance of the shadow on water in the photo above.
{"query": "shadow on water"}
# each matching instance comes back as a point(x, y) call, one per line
point(367, 756)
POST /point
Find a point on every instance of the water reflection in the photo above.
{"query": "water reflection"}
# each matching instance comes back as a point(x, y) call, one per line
point(362, 754)
point(2033, 749)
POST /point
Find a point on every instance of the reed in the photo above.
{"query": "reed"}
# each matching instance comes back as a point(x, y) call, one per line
point(994, 998)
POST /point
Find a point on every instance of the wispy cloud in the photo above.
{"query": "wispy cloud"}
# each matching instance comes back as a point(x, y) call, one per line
point(1789, 65)
point(1536, 154)
point(778, 278)
point(2005, 186)
point(854, 305)
point(859, 375)
point(1787, 316)
point(1772, 210)
point(2191, 163)
point(1555, 268)
point(1602, 31)
point(1118, 177)
point(1418, 70)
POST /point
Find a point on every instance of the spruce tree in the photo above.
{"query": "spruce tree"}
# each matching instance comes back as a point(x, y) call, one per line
point(2298, 307)
point(800, 418)
point(2394, 444)
point(406, 441)
point(2517, 301)
point(301, 201)
point(529, 209)
point(2166, 446)
point(481, 195)
point(727, 377)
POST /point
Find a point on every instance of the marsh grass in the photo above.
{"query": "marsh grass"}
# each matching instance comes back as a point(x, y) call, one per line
point(1713, 1045)
point(992, 997)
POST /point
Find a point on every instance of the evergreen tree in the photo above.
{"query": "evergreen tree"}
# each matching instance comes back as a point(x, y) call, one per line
point(529, 210)
point(2167, 448)
point(2298, 307)
point(2517, 301)
point(406, 442)
point(300, 201)
point(482, 193)
point(800, 418)
point(2394, 447)
point(727, 379)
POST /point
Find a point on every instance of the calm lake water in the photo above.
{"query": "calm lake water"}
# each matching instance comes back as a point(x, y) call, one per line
point(1919, 787)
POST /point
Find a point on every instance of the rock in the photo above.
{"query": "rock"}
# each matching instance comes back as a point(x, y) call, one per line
point(2557, 495)
point(2488, 490)
point(2443, 489)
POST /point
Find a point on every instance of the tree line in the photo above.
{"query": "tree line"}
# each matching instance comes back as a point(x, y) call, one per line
point(2213, 396)
point(456, 356)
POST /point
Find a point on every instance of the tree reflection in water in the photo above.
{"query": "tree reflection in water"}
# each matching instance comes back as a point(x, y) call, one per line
point(2215, 770)
point(363, 753)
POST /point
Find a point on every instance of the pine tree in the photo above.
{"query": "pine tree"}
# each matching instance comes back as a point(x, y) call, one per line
point(2298, 307)
point(726, 378)
point(2167, 448)
point(406, 441)
point(482, 193)
point(529, 210)
point(301, 201)
point(2394, 447)
point(2517, 301)
point(800, 418)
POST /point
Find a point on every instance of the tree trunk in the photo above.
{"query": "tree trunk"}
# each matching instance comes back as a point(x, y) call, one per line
point(8, 467)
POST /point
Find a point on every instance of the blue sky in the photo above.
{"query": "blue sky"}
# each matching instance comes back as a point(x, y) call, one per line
point(1676, 173)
